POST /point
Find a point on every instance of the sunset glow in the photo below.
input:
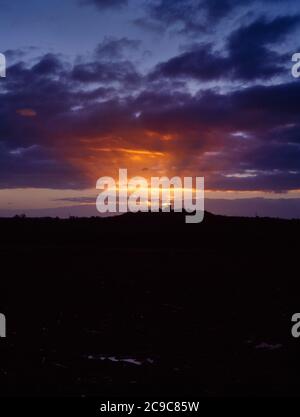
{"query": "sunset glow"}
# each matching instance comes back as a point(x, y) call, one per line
point(175, 100)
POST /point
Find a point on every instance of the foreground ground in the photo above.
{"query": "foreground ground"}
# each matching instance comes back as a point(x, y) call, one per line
point(145, 304)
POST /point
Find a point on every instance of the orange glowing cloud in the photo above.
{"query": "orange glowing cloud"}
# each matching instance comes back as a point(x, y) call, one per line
point(131, 151)
point(26, 112)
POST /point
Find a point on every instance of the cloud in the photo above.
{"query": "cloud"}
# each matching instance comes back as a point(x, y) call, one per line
point(26, 112)
point(187, 16)
point(248, 47)
point(49, 64)
point(98, 114)
point(37, 166)
point(93, 72)
point(81, 200)
point(200, 64)
point(106, 4)
point(114, 49)
point(248, 56)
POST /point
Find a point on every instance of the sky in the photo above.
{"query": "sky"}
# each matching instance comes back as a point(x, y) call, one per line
point(160, 87)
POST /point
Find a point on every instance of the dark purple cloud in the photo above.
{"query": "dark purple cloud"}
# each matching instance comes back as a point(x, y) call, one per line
point(114, 49)
point(63, 123)
point(189, 16)
point(49, 65)
point(123, 72)
point(106, 4)
point(195, 17)
point(248, 56)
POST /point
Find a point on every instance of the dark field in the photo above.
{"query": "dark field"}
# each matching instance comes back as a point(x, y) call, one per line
point(145, 304)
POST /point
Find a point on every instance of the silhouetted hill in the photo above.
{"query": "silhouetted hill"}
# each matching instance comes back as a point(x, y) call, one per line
point(155, 229)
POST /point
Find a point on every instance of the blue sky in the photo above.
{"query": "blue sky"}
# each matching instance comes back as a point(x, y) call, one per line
point(189, 87)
